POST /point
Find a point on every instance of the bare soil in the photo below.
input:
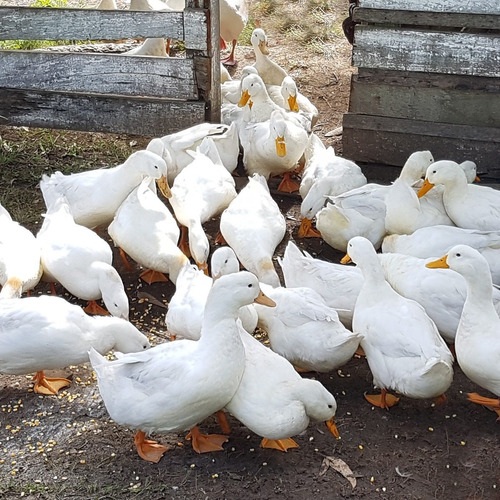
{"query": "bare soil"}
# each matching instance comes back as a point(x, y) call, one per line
point(67, 446)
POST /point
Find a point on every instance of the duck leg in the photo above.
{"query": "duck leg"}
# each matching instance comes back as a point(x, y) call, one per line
point(203, 443)
point(48, 386)
point(222, 421)
point(382, 400)
point(307, 231)
point(184, 243)
point(288, 185)
point(147, 449)
point(94, 308)
point(278, 444)
point(125, 261)
point(440, 400)
point(151, 276)
point(492, 404)
point(219, 240)
point(230, 61)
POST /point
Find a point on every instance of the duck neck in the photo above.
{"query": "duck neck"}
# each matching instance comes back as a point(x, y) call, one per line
point(101, 333)
point(479, 301)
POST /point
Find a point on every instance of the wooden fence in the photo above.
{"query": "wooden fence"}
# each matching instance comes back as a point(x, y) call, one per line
point(428, 78)
point(141, 95)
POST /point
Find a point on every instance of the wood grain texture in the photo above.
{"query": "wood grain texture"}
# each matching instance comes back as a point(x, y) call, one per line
point(461, 6)
point(434, 52)
point(133, 115)
point(24, 23)
point(98, 73)
point(434, 98)
point(390, 141)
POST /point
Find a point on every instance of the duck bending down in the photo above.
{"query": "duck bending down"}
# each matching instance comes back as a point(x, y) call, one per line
point(437, 240)
point(253, 226)
point(305, 331)
point(94, 196)
point(145, 229)
point(81, 261)
point(477, 342)
point(403, 347)
point(285, 404)
point(47, 333)
point(325, 174)
point(20, 264)
point(274, 147)
point(184, 317)
point(174, 386)
point(201, 191)
point(469, 206)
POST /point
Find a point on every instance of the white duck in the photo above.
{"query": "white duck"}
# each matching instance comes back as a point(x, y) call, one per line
point(305, 331)
point(81, 261)
point(469, 206)
point(201, 191)
point(145, 229)
point(20, 266)
point(167, 5)
point(441, 293)
point(358, 212)
point(184, 317)
point(253, 226)
point(177, 146)
point(107, 5)
point(477, 343)
point(47, 333)
point(233, 18)
point(274, 147)
point(325, 174)
point(405, 212)
point(284, 405)
point(94, 196)
point(174, 386)
point(437, 240)
point(150, 47)
point(402, 344)
point(338, 285)
point(271, 72)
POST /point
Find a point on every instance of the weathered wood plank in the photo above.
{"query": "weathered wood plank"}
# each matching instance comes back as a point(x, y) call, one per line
point(150, 117)
point(441, 19)
point(460, 6)
point(434, 98)
point(390, 141)
point(434, 52)
point(23, 23)
point(214, 96)
point(196, 29)
point(101, 73)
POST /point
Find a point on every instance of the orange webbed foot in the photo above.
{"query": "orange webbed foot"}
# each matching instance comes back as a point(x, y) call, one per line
point(204, 443)
point(94, 308)
point(307, 231)
point(288, 185)
point(147, 449)
point(49, 386)
point(151, 276)
point(279, 444)
point(383, 400)
point(491, 403)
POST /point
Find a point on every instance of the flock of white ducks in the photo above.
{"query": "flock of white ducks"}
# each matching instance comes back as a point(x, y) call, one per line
point(397, 306)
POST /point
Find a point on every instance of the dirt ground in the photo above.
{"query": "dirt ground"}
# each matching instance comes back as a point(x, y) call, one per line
point(67, 446)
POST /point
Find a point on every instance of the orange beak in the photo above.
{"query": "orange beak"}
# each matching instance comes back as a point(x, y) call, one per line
point(438, 264)
point(427, 186)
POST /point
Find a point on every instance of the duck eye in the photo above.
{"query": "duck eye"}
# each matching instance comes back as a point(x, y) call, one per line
point(457, 255)
point(156, 166)
point(330, 406)
point(250, 285)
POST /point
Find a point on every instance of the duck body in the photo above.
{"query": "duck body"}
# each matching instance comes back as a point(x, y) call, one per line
point(146, 230)
point(80, 260)
point(402, 344)
point(477, 341)
point(469, 206)
point(272, 147)
point(233, 18)
point(47, 332)
point(253, 226)
point(325, 174)
point(437, 240)
point(305, 331)
point(359, 212)
point(20, 256)
point(338, 285)
point(94, 196)
point(150, 47)
point(201, 191)
point(270, 72)
point(174, 386)
point(405, 212)
point(285, 404)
